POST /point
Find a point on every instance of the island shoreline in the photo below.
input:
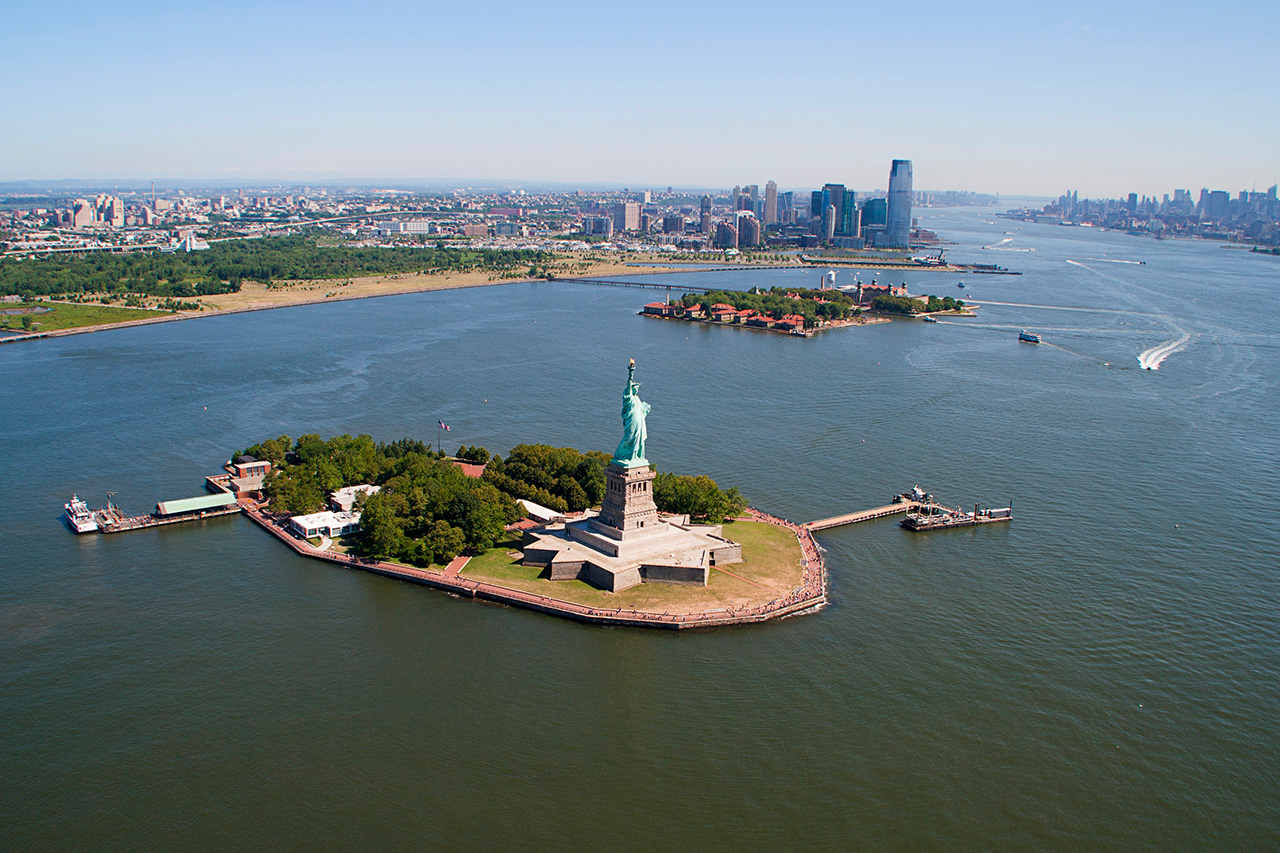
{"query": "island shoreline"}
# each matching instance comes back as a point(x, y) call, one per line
point(810, 596)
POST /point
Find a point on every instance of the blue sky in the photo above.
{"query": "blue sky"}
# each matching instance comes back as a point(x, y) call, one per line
point(1105, 98)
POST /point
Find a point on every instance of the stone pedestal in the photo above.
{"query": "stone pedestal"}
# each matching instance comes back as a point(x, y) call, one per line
point(628, 499)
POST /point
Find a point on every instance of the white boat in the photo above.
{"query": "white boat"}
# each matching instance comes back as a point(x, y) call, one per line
point(79, 516)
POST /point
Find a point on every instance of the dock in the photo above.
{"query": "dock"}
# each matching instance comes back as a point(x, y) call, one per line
point(943, 518)
point(117, 523)
point(110, 519)
point(922, 511)
point(865, 515)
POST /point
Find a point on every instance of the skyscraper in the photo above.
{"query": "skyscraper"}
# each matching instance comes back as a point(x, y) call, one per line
point(626, 216)
point(898, 227)
point(833, 195)
point(770, 203)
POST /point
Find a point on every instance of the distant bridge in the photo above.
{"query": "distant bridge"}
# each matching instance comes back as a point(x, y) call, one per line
point(644, 285)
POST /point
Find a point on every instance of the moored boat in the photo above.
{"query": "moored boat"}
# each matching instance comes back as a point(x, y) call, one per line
point(79, 516)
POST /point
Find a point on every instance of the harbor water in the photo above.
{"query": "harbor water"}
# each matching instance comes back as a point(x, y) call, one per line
point(1102, 673)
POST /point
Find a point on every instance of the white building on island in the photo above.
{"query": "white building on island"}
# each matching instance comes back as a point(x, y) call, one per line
point(321, 524)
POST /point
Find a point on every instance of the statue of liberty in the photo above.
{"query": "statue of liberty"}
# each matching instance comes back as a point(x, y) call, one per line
point(630, 452)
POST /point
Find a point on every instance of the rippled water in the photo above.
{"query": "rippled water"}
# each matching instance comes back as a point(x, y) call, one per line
point(1103, 673)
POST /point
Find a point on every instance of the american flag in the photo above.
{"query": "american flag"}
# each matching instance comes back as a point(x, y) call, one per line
point(444, 426)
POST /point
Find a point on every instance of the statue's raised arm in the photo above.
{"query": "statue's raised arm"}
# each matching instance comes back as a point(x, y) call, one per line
point(630, 450)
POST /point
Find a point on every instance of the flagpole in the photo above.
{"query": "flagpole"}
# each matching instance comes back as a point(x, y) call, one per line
point(438, 448)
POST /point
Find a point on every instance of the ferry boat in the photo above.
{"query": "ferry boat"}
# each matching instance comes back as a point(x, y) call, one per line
point(1030, 338)
point(79, 516)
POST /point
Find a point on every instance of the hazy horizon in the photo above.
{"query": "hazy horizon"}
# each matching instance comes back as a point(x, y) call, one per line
point(1009, 99)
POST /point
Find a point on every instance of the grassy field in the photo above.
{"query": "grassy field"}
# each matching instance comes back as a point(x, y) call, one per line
point(65, 315)
point(771, 562)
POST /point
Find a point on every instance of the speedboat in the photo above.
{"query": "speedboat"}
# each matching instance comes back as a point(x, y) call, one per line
point(929, 319)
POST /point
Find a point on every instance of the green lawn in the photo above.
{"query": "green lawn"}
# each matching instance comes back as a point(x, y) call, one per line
point(66, 315)
point(771, 559)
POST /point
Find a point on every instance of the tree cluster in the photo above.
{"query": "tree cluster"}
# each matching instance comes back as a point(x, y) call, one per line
point(814, 305)
point(946, 303)
point(895, 305)
point(558, 478)
point(906, 307)
point(428, 511)
point(698, 497)
point(476, 455)
point(225, 264)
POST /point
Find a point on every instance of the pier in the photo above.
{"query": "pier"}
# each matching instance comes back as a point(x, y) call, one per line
point(922, 512)
point(943, 518)
point(115, 522)
point(643, 285)
point(865, 515)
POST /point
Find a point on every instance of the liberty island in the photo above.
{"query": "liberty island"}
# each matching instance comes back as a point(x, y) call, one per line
point(624, 563)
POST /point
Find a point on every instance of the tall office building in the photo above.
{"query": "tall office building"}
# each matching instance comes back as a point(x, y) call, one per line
point(829, 223)
point(786, 207)
point(833, 195)
point(770, 203)
point(705, 204)
point(626, 216)
point(898, 227)
point(850, 218)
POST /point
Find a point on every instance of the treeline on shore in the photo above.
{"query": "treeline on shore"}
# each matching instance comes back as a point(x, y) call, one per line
point(777, 302)
point(429, 511)
point(899, 305)
point(225, 264)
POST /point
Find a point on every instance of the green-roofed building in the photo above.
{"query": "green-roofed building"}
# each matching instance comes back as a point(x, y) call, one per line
point(205, 503)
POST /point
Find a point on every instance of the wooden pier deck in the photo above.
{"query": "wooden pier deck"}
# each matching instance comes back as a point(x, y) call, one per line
point(864, 515)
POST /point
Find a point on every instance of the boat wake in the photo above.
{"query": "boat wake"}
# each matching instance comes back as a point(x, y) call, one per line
point(1113, 261)
point(1059, 307)
point(1151, 359)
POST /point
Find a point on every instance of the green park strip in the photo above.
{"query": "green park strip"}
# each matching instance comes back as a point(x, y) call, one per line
point(65, 315)
point(771, 562)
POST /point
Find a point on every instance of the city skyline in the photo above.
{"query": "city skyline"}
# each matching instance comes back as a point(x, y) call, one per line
point(1006, 99)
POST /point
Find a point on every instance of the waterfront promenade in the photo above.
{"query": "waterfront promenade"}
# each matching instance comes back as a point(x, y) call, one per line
point(811, 593)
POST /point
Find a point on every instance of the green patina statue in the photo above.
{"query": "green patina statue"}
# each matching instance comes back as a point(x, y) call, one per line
point(630, 452)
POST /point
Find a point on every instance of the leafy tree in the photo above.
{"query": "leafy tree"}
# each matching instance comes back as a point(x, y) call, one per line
point(444, 542)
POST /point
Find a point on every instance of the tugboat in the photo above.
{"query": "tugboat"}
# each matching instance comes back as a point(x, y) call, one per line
point(1028, 337)
point(79, 516)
